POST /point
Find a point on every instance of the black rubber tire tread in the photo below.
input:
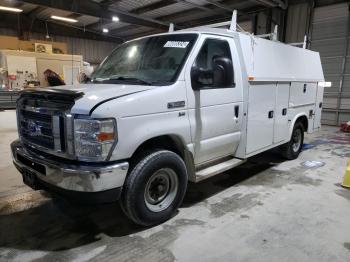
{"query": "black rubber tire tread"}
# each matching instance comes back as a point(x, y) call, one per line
point(132, 199)
point(287, 150)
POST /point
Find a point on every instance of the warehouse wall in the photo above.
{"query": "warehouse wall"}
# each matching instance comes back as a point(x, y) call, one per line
point(330, 37)
point(297, 23)
point(93, 51)
point(328, 29)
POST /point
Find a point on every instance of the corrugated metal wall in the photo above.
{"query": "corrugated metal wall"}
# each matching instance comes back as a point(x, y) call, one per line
point(297, 23)
point(330, 37)
point(93, 51)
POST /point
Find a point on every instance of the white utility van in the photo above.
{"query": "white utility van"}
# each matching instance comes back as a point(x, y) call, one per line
point(166, 109)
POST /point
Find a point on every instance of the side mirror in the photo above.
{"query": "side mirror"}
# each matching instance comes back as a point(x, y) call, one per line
point(223, 75)
point(200, 77)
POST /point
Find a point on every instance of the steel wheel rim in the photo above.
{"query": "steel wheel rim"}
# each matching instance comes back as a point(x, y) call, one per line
point(161, 189)
point(296, 138)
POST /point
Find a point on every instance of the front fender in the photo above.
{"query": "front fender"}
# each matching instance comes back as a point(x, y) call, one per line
point(134, 131)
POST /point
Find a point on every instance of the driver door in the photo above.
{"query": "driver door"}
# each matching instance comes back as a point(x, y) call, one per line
point(215, 112)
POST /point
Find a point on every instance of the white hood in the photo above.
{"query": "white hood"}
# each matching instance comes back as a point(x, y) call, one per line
point(95, 94)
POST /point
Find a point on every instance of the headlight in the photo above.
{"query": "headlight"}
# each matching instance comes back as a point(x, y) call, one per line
point(94, 139)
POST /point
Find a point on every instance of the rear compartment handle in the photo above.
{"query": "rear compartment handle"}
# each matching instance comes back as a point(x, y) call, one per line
point(271, 114)
point(284, 111)
point(236, 111)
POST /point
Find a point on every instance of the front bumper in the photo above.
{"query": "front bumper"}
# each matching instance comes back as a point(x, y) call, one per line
point(68, 178)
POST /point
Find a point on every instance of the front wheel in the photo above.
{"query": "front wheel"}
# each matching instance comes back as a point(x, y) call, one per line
point(292, 149)
point(155, 188)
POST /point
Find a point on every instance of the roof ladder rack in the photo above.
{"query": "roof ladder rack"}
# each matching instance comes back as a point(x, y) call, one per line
point(273, 36)
point(232, 24)
point(171, 27)
point(303, 44)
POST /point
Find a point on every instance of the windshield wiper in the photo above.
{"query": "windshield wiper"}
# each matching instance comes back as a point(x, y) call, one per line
point(130, 79)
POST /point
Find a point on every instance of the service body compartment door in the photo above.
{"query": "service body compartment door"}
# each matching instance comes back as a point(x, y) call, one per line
point(261, 109)
point(318, 107)
point(302, 94)
point(281, 127)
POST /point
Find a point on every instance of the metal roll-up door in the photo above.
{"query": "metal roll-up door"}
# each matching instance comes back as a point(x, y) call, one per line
point(330, 37)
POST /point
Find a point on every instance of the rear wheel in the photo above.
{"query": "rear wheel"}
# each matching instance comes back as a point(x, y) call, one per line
point(292, 149)
point(155, 188)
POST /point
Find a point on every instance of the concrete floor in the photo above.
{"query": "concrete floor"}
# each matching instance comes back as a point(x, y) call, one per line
point(267, 210)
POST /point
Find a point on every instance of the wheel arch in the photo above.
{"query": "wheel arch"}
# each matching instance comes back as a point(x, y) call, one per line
point(302, 118)
point(169, 142)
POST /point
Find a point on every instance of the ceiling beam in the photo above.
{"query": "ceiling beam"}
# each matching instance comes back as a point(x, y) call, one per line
point(267, 3)
point(54, 28)
point(138, 11)
point(243, 15)
point(217, 4)
point(164, 3)
point(153, 6)
point(169, 18)
point(201, 7)
point(88, 7)
point(282, 4)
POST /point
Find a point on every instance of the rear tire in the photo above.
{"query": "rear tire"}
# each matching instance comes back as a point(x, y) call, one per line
point(292, 149)
point(154, 188)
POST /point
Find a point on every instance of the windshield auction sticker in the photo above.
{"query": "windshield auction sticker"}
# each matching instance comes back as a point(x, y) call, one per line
point(176, 44)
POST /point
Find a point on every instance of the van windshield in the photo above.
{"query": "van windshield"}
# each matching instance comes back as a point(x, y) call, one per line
point(147, 61)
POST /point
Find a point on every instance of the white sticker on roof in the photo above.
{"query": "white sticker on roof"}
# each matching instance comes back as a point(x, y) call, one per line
point(176, 44)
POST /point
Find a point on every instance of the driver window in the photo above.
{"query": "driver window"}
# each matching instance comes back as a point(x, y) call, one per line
point(211, 48)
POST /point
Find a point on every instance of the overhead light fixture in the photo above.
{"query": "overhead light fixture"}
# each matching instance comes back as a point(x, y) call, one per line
point(10, 9)
point(65, 19)
point(115, 19)
point(105, 30)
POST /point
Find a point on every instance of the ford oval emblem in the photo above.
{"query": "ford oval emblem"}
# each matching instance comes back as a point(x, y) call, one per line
point(34, 129)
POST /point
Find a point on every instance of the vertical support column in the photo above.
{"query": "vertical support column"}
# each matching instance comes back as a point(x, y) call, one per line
point(255, 24)
point(268, 21)
point(342, 76)
point(19, 26)
point(308, 31)
point(283, 27)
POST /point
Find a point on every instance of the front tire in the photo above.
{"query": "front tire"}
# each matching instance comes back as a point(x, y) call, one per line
point(292, 149)
point(155, 188)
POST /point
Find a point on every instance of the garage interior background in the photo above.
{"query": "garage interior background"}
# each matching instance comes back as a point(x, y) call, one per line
point(325, 22)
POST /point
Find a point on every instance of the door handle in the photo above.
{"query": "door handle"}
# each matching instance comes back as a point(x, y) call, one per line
point(236, 111)
point(284, 111)
point(271, 114)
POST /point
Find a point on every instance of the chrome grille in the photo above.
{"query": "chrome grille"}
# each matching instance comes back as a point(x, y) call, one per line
point(42, 127)
point(45, 126)
point(44, 121)
point(37, 128)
